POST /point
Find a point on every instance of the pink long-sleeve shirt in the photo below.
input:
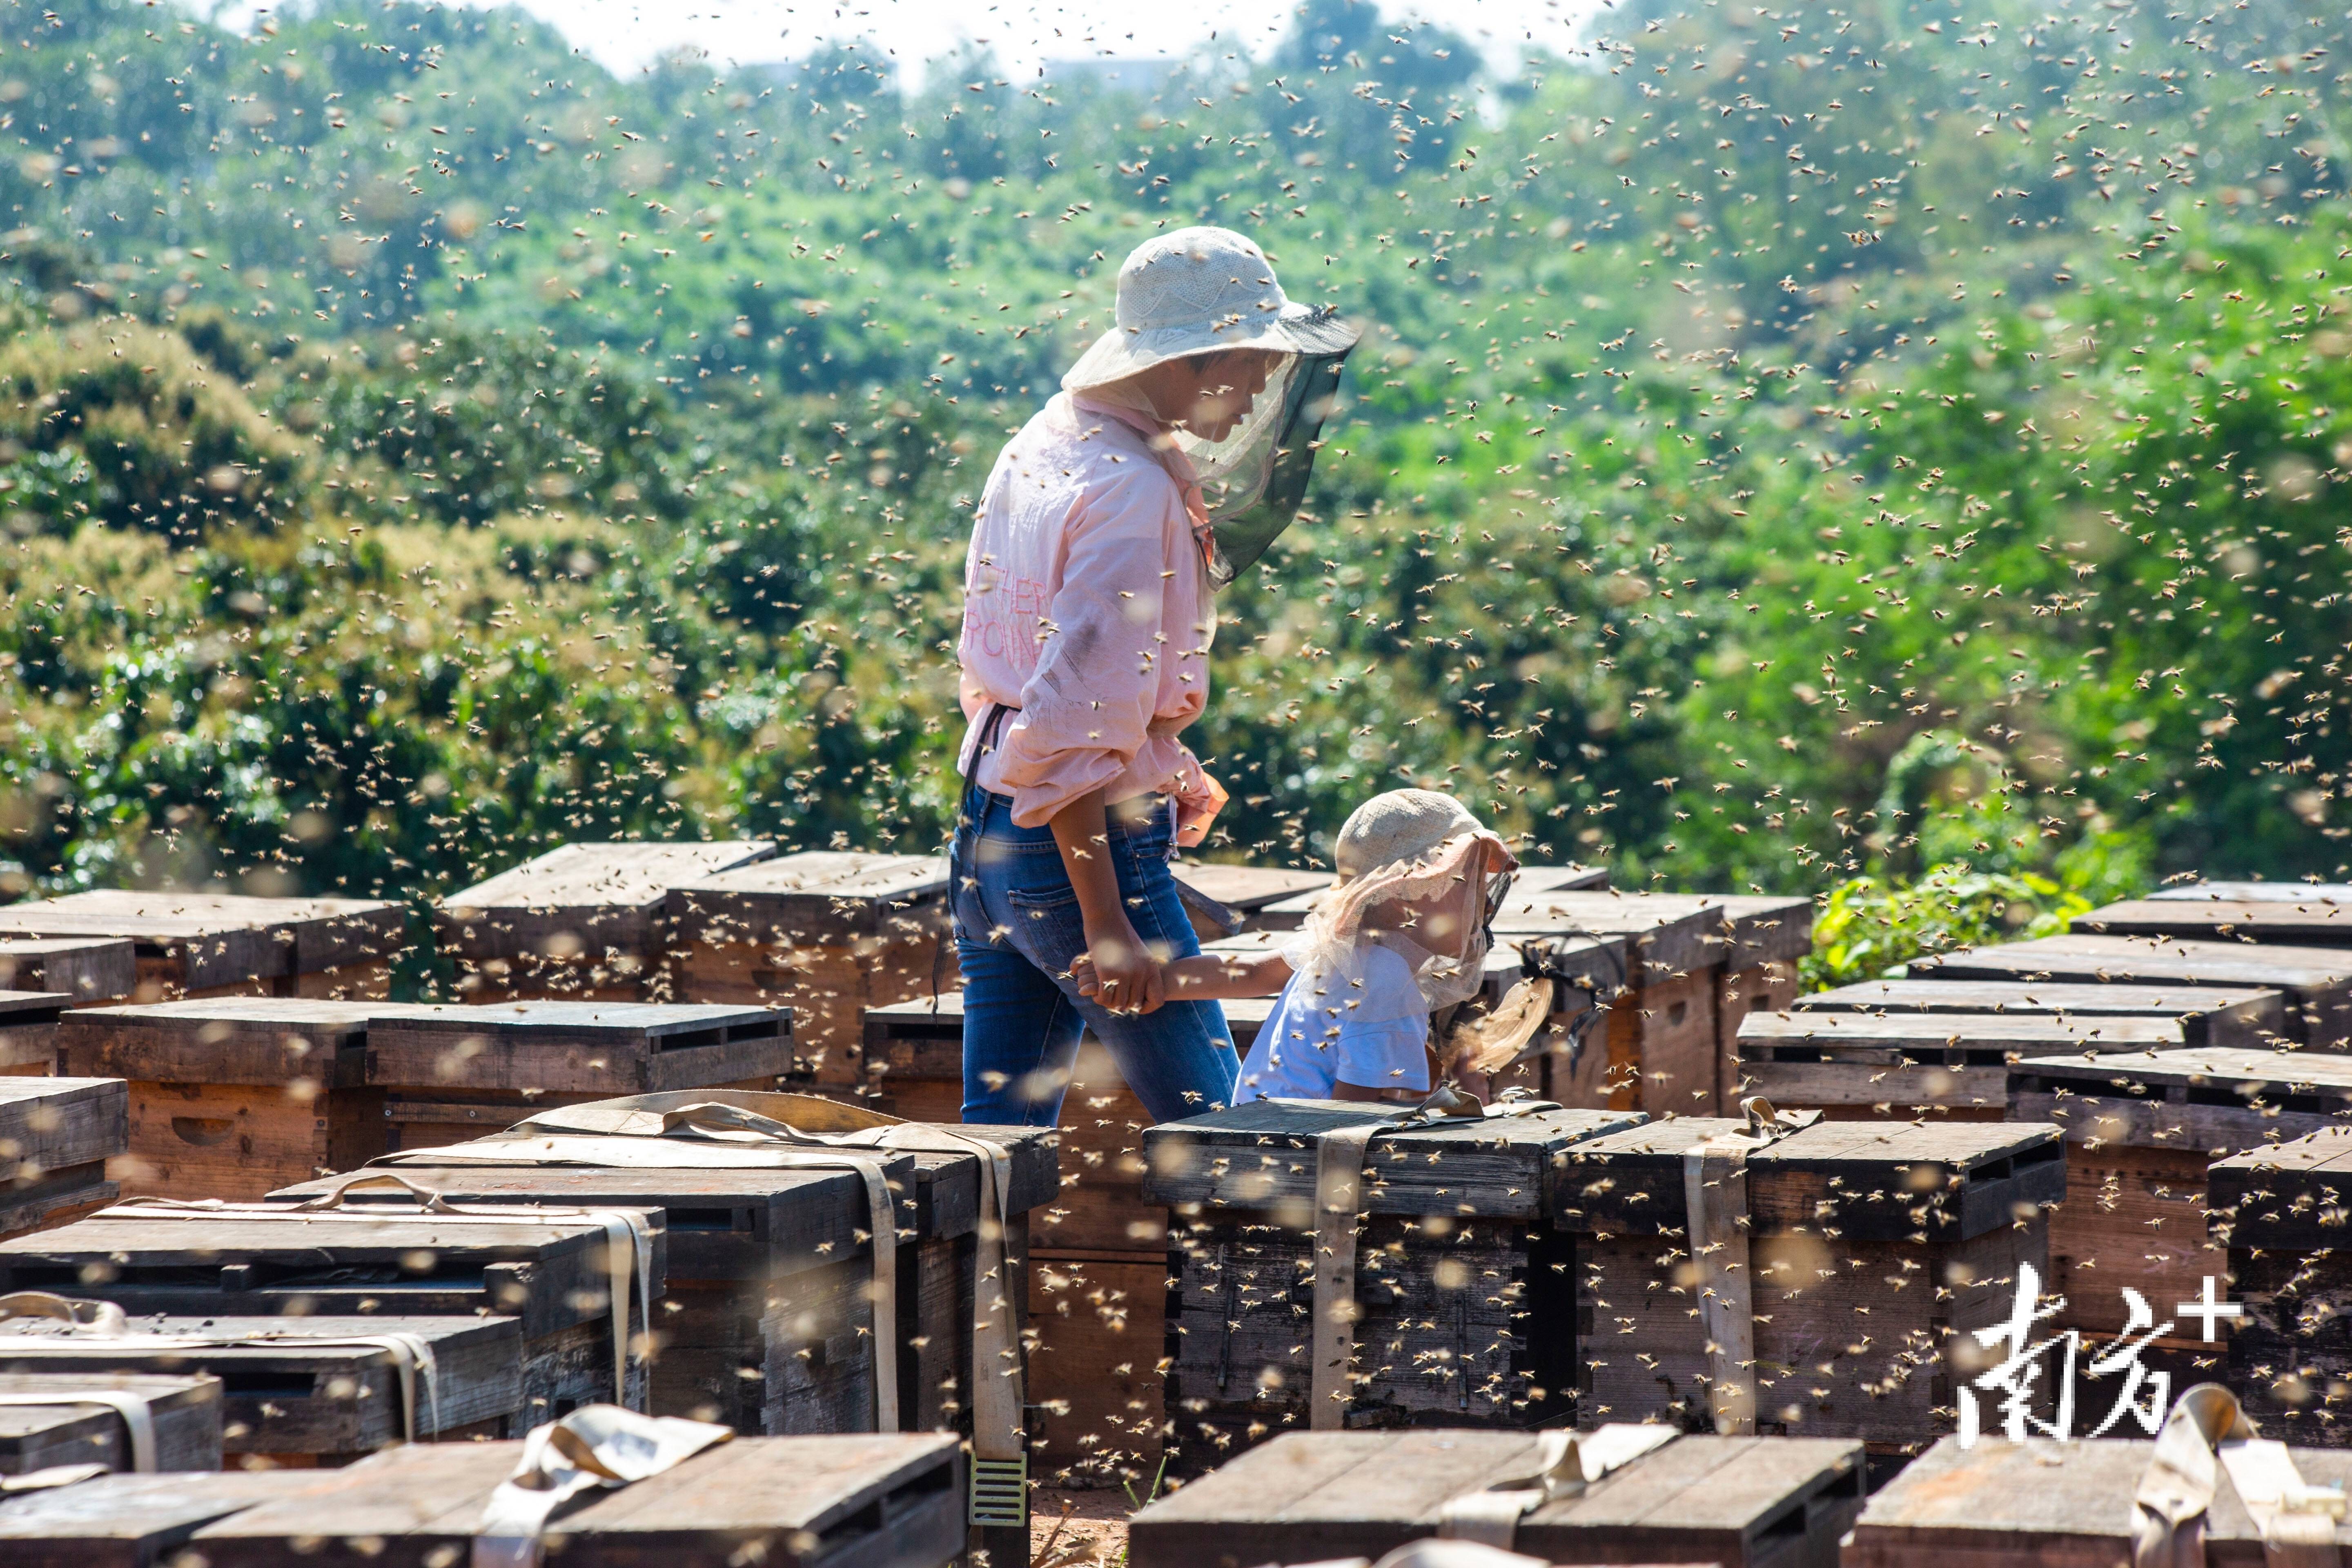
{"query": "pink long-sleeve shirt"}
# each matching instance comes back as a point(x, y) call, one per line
point(1087, 608)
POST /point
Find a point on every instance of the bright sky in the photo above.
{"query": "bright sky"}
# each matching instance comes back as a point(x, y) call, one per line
point(625, 34)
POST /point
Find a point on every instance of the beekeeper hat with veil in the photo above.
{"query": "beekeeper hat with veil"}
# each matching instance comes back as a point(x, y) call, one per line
point(1208, 291)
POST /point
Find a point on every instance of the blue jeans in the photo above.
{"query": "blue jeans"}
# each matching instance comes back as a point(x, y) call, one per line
point(1018, 927)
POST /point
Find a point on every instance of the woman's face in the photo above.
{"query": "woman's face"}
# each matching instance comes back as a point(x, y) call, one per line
point(1226, 386)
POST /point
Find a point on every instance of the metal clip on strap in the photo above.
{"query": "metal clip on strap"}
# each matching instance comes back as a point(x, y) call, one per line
point(597, 1445)
point(1566, 1463)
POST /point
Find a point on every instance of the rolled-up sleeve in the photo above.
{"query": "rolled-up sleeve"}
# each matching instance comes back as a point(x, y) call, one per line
point(1105, 643)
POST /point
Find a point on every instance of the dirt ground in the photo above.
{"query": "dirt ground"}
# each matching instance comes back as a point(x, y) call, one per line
point(1078, 1529)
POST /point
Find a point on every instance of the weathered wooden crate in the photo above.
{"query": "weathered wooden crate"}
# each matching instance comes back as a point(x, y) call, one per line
point(28, 1032)
point(308, 1389)
point(1769, 937)
point(1998, 1504)
point(88, 968)
point(46, 1420)
point(827, 933)
point(1954, 1066)
point(1290, 914)
point(222, 944)
point(1871, 1245)
point(131, 1520)
point(584, 922)
point(1224, 901)
point(232, 1095)
point(551, 1271)
point(763, 1323)
point(893, 1501)
point(2282, 1212)
point(1657, 1046)
point(1464, 1319)
point(2313, 920)
point(2287, 892)
point(2207, 1015)
point(2315, 981)
point(2141, 1130)
point(451, 1073)
point(1098, 1251)
point(1738, 1502)
point(57, 1135)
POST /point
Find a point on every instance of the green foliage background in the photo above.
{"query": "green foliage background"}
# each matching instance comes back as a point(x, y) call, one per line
point(1895, 441)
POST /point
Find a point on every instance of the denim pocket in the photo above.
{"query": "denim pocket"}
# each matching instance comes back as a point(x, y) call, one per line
point(1048, 928)
point(1043, 901)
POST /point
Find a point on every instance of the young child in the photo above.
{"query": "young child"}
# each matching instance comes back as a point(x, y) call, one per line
point(1400, 935)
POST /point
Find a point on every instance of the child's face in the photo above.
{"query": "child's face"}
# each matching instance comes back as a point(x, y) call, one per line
point(1444, 921)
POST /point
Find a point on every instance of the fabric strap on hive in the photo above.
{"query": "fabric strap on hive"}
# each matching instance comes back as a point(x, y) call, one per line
point(1338, 1219)
point(1566, 1463)
point(105, 1324)
point(595, 1446)
point(1714, 1198)
point(630, 1245)
point(2206, 1434)
point(138, 1419)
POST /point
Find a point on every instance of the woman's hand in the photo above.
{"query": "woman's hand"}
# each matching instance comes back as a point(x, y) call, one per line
point(1118, 971)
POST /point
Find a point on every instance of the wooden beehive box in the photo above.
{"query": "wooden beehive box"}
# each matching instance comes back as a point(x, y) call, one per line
point(2207, 1015)
point(57, 1135)
point(47, 1421)
point(828, 933)
point(2313, 920)
point(893, 1501)
point(194, 944)
point(28, 1032)
point(2282, 1212)
point(1657, 1048)
point(451, 1073)
point(763, 1324)
point(1290, 914)
point(1952, 1066)
point(2315, 981)
point(1308, 1496)
point(88, 968)
point(1870, 1247)
point(1769, 937)
point(584, 922)
point(549, 1270)
point(1224, 901)
point(309, 1390)
point(1097, 1250)
point(2141, 1130)
point(231, 1096)
point(1464, 1321)
point(2287, 892)
point(1998, 1504)
point(131, 1520)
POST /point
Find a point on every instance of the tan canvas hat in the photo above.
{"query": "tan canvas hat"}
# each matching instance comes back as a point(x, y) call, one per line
point(1201, 290)
point(1403, 824)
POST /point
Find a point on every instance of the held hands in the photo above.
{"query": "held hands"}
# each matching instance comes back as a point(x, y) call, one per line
point(1118, 971)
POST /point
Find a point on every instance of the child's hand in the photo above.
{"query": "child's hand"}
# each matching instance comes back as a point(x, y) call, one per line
point(1085, 977)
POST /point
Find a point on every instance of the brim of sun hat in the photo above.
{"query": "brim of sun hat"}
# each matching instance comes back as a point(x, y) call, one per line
point(1294, 328)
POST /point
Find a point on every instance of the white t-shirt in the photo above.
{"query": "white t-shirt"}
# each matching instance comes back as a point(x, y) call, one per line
point(1367, 1024)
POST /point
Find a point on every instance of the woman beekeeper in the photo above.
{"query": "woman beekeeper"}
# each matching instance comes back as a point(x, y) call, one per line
point(1177, 448)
